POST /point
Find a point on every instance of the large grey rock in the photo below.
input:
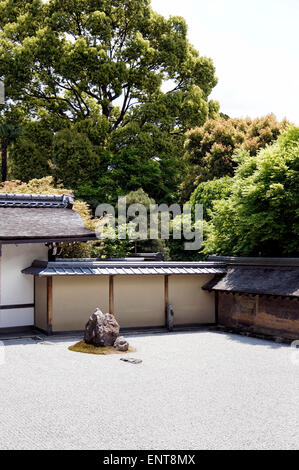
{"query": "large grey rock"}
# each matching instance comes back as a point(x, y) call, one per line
point(121, 344)
point(101, 329)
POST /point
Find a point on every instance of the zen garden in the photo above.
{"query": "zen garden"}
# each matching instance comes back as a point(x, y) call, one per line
point(149, 229)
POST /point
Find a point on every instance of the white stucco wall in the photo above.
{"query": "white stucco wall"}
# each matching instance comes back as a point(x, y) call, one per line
point(17, 288)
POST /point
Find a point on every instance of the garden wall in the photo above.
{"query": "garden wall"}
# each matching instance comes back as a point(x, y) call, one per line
point(271, 315)
point(64, 303)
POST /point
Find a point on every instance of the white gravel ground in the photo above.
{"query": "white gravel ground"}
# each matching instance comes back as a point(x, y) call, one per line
point(201, 390)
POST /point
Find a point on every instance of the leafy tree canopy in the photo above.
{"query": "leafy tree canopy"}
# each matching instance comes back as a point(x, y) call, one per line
point(73, 57)
point(210, 149)
point(261, 215)
point(111, 76)
point(209, 191)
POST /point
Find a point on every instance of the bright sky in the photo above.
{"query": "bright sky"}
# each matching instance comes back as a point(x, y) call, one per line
point(255, 48)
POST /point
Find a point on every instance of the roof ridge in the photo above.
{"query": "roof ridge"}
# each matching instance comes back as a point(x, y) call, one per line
point(36, 200)
point(255, 261)
point(91, 261)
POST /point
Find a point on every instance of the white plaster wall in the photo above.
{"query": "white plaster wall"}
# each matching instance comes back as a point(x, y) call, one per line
point(15, 287)
point(16, 317)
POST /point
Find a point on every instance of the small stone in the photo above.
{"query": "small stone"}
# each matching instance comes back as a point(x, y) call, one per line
point(131, 360)
point(121, 344)
point(101, 329)
point(46, 343)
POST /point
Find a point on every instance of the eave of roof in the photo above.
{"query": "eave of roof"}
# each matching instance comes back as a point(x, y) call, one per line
point(104, 268)
point(21, 241)
point(275, 281)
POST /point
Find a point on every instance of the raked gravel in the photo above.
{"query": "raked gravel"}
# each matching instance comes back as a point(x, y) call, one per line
point(195, 390)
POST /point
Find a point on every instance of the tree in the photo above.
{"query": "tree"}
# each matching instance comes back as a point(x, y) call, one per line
point(261, 216)
point(210, 149)
point(147, 245)
point(74, 55)
point(102, 64)
point(8, 134)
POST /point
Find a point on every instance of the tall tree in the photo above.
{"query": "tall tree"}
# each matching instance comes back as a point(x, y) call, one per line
point(115, 63)
point(70, 56)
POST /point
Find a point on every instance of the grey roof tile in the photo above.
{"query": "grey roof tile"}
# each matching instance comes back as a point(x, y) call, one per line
point(36, 200)
point(121, 268)
point(280, 281)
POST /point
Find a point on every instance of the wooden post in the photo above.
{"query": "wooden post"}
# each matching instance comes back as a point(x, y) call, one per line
point(216, 307)
point(50, 304)
point(166, 297)
point(111, 295)
point(257, 308)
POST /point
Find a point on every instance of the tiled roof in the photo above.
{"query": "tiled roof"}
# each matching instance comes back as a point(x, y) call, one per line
point(104, 268)
point(26, 217)
point(281, 281)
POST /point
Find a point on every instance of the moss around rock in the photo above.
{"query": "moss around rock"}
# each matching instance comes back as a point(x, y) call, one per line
point(104, 351)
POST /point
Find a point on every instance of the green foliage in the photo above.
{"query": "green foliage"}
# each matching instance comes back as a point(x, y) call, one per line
point(92, 73)
point(8, 135)
point(71, 57)
point(76, 162)
point(149, 245)
point(30, 154)
point(208, 192)
point(210, 149)
point(86, 82)
point(261, 215)
point(177, 252)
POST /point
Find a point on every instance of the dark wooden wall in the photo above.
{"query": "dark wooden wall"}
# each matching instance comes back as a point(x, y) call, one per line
point(277, 316)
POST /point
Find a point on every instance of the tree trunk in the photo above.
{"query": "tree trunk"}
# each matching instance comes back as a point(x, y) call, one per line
point(4, 161)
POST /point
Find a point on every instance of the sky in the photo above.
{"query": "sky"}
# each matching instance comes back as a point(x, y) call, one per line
point(254, 45)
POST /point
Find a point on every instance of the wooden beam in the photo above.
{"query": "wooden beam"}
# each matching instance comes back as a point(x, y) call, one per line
point(15, 306)
point(111, 295)
point(49, 304)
